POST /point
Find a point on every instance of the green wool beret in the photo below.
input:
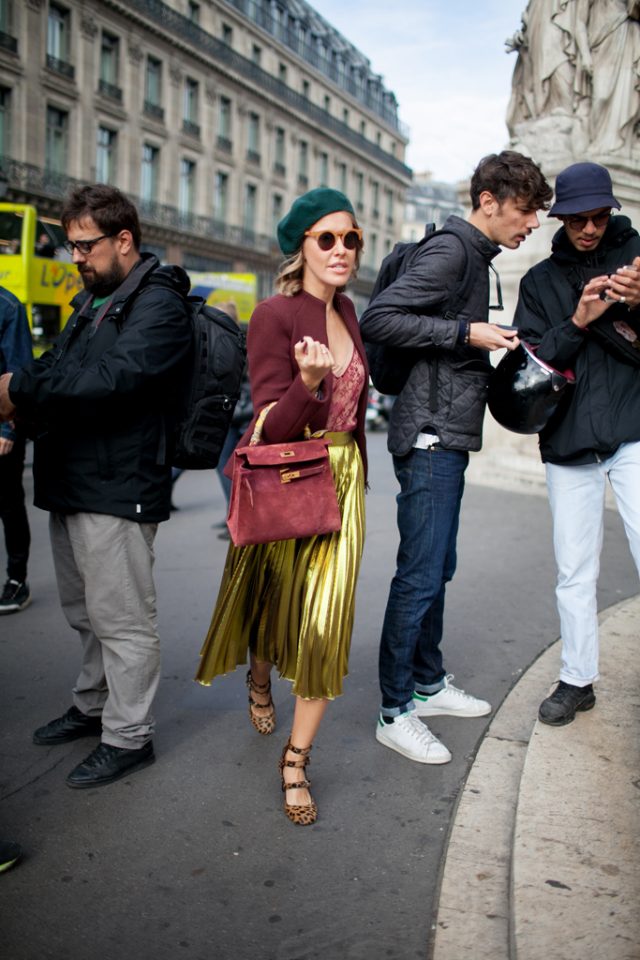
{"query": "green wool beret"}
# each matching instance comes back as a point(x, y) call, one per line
point(307, 210)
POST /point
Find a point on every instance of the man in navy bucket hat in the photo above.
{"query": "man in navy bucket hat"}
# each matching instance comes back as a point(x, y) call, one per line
point(580, 308)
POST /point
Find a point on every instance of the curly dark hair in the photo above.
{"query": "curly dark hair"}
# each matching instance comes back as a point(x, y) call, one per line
point(511, 175)
point(107, 206)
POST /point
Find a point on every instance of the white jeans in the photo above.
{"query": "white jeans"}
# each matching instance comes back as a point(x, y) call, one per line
point(576, 495)
point(104, 572)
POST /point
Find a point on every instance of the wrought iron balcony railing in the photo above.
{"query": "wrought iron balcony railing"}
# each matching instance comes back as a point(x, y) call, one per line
point(7, 42)
point(110, 90)
point(61, 66)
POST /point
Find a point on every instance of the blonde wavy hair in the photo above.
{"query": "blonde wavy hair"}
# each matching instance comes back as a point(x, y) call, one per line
point(291, 273)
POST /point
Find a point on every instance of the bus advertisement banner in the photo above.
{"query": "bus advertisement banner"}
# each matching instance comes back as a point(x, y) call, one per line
point(220, 288)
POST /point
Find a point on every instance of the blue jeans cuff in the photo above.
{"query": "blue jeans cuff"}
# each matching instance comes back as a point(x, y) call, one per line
point(398, 711)
point(428, 689)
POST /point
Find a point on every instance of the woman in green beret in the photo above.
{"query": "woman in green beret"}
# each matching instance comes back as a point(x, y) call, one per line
point(290, 603)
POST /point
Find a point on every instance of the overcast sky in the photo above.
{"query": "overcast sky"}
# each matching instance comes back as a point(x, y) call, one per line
point(445, 61)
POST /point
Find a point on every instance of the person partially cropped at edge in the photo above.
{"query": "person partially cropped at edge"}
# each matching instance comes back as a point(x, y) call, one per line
point(593, 272)
point(435, 422)
point(291, 603)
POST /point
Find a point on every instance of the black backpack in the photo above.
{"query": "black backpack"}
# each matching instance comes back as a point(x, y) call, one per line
point(211, 388)
point(390, 366)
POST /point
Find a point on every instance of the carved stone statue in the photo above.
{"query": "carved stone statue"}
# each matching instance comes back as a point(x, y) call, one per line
point(576, 83)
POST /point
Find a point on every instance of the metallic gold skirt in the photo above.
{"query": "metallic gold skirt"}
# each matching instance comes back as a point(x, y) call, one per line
point(292, 601)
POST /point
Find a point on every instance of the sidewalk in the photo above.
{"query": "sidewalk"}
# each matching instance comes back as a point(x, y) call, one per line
point(543, 857)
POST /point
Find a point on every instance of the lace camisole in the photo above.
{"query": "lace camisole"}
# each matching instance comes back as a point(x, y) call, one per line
point(347, 387)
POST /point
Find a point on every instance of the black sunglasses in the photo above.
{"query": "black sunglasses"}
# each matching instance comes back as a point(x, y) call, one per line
point(84, 246)
point(579, 223)
point(327, 239)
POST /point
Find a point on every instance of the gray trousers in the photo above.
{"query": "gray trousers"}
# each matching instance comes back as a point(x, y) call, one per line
point(104, 571)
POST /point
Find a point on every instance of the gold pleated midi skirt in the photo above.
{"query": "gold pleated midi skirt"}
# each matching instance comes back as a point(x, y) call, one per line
point(293, 601)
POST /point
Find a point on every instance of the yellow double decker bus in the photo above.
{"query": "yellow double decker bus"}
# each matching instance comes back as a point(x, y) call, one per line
point(36, 268)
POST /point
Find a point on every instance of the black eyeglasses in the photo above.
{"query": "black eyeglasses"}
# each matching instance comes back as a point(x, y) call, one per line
point(499, 305)
point(327, 239)
point(84, 246)
point(579, 223)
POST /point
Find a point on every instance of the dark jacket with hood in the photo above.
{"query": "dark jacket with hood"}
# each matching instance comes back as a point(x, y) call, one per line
point(447, 388)
point(102, 398)
point(603, 407)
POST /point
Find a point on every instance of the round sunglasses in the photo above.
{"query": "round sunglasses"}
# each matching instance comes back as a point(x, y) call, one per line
point(327, 239)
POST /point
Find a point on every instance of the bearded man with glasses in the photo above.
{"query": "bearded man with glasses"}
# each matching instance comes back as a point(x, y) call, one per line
point(100, 402)
point(579, 308)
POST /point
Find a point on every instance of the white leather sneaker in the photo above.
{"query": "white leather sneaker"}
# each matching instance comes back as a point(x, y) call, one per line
point(412, 738)
point(450, 702)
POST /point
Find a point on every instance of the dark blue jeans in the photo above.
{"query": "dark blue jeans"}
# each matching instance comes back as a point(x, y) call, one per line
point(13, 512)
point(431, 488)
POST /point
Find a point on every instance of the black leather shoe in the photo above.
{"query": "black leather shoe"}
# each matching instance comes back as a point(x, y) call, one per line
point(566, 699)
point(70, 726)
point(106, 764)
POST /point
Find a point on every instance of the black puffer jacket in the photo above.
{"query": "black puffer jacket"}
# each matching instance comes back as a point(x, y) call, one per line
point(409, 313)
point(604, 404)
point(101, 400)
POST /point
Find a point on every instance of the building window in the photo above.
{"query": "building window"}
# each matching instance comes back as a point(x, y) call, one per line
point(342, 177)
point(345, 116)
point(375, 194)
point(224, 125)
point(187, 189)
point(190, 107)
point(110, 66)
point(279, 162)
point(193, 11)
point(153, 89)
point(303, 163)
point(306, 89)
point(253, 138)
point(256, 54)
point(227, 34)
point(221, 197)
point(327, 102)
point(323, 170)
point(276, 212)
point(59, 40)
point(250, 205)
point(5, 122)
point(373, 249)
point(57, 143)
point(150, 173)
point(106, 155)
point(363, 128)
point(389, 196)
point(282, 72)
point(7, 40)
point(359, 177)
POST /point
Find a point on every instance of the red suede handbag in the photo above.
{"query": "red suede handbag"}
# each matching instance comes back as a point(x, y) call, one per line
point(281, 491)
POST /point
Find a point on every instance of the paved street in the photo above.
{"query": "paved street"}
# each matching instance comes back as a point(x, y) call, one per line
point(193, 857)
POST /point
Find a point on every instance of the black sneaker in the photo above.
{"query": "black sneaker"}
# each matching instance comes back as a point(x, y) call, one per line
point(15, 596)
point(106, 764)
point(70, 726)
point(566, 699)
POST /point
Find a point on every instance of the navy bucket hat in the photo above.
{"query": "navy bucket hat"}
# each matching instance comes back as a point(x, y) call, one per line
point(583, 186)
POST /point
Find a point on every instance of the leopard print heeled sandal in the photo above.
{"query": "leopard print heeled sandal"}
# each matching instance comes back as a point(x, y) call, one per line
point(264, 723)
point(303, 814)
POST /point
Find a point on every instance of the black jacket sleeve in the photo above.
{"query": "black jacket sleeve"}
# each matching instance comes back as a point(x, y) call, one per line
point(409, 312)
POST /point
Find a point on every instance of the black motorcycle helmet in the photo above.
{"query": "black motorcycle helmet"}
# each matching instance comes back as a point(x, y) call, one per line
point(525, 392)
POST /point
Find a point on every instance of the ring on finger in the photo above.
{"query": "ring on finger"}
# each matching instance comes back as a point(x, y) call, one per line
point(623, 299)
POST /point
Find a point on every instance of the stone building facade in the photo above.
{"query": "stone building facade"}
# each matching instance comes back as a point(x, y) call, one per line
point(213, 115)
